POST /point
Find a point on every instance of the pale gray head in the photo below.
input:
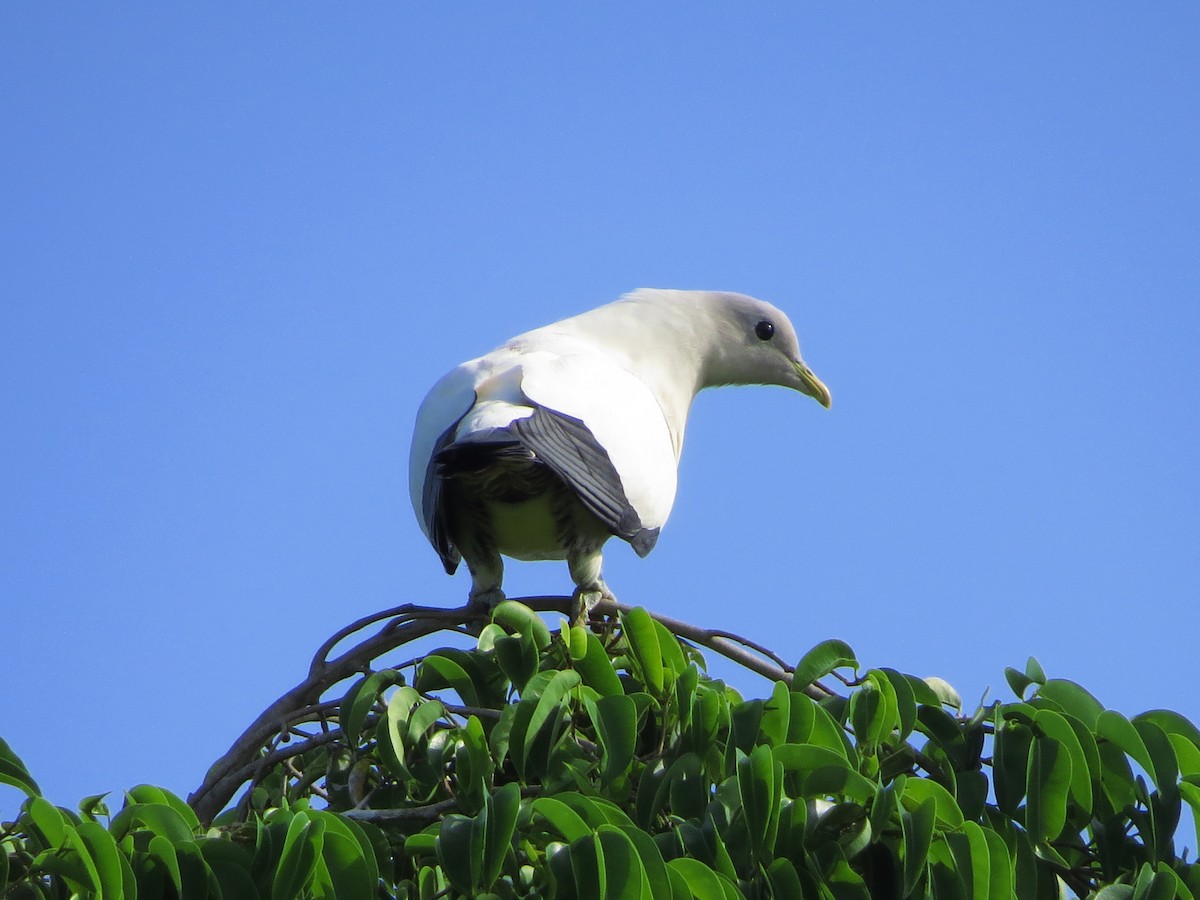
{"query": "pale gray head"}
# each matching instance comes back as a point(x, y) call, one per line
point(753, 342)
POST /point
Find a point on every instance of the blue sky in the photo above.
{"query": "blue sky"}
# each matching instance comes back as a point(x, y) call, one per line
point(237, 247)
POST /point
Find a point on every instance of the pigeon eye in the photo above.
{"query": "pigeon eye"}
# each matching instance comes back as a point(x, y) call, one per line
point(765, 330)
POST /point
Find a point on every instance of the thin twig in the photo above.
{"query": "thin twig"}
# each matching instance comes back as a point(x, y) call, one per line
point(428, 813)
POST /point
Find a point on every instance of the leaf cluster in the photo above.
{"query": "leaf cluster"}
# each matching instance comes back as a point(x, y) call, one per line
point(582, 764)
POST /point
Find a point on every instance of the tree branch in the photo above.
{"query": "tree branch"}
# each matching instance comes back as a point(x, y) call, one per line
point(401, 625)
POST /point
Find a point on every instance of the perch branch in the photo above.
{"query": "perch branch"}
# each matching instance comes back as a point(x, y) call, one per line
point(400, 625)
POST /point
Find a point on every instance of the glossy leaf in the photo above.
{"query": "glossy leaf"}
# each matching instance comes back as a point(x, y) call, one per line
point(917, 828)
point(918, 791)
point(758, 789)
point(1114, 727)
point(703, 882)
point(596, 670)
point(500, 813)
point(459, 847)
point(361, 697)
point(1049, 779)
point(644, 645)
point(13, 771)
point(301, 849)
point(820, 661)
point(517, 618)
point(1055, 726)
point(1073, 699)
point(438, 671)
point(566, 821)
point(615, 718)
point(548, 709)
point(156, 817)
point(105, 857)
point(625, 876)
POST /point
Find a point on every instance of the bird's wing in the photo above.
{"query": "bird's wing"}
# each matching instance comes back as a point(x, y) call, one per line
point(602, 410)
point(437, 423)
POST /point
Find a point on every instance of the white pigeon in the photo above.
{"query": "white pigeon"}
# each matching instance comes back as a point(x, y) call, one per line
point(571, 433)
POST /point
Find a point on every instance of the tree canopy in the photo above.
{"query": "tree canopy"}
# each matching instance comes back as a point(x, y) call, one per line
point(526, 761)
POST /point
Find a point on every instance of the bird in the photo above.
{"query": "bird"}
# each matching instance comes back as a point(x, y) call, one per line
point(570, 434)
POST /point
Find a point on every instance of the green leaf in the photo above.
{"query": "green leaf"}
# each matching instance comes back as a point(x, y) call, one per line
point(945, 692)
point(759, 791)
point(980, 860)
point(459, 849)
point(625, 876)
point(1010, 762)
point(703, 882)
point(549, 705)
point(164, 851)
point(1172, 723)
point(615, 718)
point(820, 661)
point(105, 857)
point(644, 645)
point(776, 713)
point(518, 659)
point(1114, 727)
point(657, 876)
point(1154, 885)
point(1191, 793)
point(917, 830)
point(501, 820)
point(438, 671)
point(156, 817)
point(784, 881)
point(360, 698)
point(1187, 754)
point(1164, 767)
point(672, 656)
point(588, 870)
point(301, 849)
point(906, 701)
point(148, 793)
point(1048, 780)
point(576, 639)
point(520, 619)
point(348, 857)
point(1000, 867)
point(919, 791)
point(230, 865)
point(1018, 681)
point(13, 771)
point(1073, 699)
point(826, 771)
point(48, 819)
point(1055, 726)
point(688, 787)
point(562, 818)
point(423, 718)
point(597, 671)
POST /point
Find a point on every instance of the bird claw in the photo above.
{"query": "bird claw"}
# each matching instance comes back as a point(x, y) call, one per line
point(487, 600)
point(587, 599)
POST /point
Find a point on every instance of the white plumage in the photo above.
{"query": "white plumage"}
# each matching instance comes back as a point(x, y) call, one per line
point(571, 433)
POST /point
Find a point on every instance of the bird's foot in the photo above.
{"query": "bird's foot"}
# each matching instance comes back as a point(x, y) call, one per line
point(487, 600)
point(586, 599)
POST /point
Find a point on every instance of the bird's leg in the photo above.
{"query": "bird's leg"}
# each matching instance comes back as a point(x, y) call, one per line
point(584, 566)
point(486, 577)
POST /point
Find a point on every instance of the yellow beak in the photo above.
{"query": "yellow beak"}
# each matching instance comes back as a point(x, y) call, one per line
point(812, 385)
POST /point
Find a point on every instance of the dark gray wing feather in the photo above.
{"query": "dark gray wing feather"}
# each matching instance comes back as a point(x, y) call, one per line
point(568, 448)
point(432, 508)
